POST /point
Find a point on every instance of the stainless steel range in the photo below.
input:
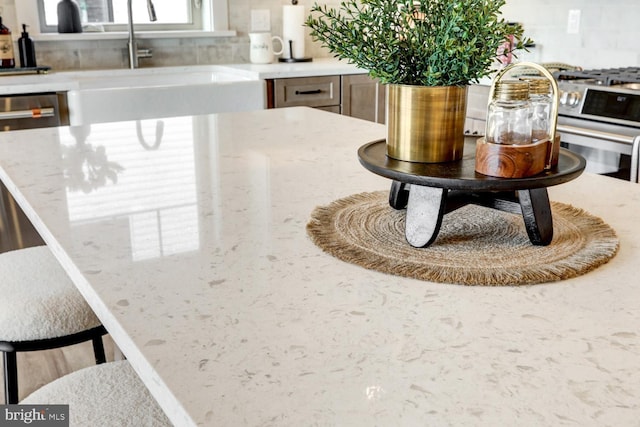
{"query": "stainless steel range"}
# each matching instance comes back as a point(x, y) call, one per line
point(599, 117)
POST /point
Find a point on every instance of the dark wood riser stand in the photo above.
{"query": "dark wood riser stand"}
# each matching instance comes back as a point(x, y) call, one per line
point(427, 206)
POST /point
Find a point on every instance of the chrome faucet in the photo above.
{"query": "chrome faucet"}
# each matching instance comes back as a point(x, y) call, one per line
point(134, 52)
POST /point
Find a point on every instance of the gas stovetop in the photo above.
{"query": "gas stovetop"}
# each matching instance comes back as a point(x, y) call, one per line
point(601, 77)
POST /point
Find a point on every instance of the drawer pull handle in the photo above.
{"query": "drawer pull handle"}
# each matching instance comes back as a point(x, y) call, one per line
point(308, 92)
point(34, 113)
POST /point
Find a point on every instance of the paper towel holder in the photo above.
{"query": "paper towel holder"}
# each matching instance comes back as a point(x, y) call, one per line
point(284, 36)
point(292, 59)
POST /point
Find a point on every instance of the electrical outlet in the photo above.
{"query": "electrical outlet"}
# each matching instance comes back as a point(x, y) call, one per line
point(573, 22)
point(260, 20)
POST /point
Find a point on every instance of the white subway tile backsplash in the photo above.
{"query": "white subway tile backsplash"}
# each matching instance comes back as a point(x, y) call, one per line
point(608, 35)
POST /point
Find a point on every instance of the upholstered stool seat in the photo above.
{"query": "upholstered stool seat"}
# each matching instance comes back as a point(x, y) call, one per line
point(110, 394)
point(40, 309)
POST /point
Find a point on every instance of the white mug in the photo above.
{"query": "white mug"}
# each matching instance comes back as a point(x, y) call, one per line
point(261, 48)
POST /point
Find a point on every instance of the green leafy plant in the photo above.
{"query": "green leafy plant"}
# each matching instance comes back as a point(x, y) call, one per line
point(416, 42)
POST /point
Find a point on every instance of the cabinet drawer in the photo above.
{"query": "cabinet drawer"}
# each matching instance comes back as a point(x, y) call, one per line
point(307, 91)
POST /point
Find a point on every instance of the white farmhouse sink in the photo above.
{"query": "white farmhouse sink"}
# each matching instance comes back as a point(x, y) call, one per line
point(116, 95)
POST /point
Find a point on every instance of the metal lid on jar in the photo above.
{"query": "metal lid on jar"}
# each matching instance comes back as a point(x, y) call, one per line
point(538, 85)
point(511, 90)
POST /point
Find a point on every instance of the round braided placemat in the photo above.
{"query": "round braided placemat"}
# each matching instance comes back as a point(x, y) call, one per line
point(475, 246)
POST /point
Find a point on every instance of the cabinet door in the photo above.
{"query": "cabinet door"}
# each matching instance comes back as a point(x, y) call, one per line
point(330, 108)
point(474, 127)
point(479, 127)
point(363, 97)
point(477, 100)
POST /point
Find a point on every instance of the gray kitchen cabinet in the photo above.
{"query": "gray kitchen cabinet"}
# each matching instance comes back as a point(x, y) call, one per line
point(331, 109)
point(353, 95)
point(477, 99)
point(363, 98)
point(358, 95)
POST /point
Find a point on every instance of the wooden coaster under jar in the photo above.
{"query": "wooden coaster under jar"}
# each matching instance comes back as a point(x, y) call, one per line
point(516, 161)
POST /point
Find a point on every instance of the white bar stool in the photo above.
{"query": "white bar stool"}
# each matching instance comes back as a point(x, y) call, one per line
point(40, 309)
point(107, 395)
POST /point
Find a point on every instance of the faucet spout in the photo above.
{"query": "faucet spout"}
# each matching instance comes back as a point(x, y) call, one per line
point(134, 54)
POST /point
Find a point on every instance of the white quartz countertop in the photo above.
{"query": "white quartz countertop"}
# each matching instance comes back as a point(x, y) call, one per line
point(73, 80)
point(35, 83)
point(317, 67)
point(197, 261)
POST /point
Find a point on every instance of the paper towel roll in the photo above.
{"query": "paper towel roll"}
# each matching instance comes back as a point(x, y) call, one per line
point(293, 29)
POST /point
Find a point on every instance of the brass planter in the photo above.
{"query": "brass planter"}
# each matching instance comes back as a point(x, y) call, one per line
point(426, 124)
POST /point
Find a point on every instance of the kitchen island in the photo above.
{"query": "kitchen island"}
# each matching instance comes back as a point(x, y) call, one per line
point(191, 248)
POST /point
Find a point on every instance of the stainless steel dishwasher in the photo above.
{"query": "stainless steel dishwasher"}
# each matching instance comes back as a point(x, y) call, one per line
point(30, 111)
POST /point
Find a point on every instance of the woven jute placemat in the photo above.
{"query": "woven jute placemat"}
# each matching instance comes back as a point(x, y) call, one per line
point(475, 246)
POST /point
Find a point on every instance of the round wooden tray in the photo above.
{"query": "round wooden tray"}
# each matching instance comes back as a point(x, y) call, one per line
point(461, 174)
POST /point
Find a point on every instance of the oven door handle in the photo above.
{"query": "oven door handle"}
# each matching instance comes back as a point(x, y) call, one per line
point(33, 113)
point(590, 133)
point(633, 140)
point(635, 160)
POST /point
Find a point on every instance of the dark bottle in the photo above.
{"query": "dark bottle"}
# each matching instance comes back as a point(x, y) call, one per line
point(27, 50)
point(7, 59)
point(69, 17)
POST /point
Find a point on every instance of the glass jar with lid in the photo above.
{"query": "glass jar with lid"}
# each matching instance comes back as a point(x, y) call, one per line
point(540, 99)
point(509, 114)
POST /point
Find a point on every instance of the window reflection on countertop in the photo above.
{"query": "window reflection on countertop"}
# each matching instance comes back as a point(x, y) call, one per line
point(154, 190)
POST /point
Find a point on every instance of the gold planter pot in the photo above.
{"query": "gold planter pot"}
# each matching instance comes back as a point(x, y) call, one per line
point(426, 124)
